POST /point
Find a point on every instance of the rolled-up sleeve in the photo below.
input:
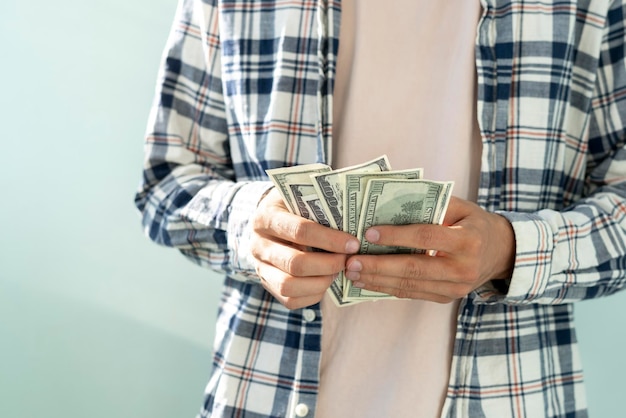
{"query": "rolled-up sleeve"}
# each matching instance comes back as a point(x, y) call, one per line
point(189, 197)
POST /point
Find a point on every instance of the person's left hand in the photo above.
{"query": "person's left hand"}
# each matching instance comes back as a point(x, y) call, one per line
point(473, 246)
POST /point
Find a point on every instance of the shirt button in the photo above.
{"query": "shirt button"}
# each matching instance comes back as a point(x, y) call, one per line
point(309, 316)
point(302, 410)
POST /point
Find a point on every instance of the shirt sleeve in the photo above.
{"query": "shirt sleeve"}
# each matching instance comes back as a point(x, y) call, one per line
point(189, 197)
point(580, 252)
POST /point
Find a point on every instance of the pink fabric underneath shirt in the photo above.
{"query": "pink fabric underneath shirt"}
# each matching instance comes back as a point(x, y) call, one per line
point(405, 87)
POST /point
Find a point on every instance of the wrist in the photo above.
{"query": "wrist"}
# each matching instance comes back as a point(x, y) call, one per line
point(505, 240)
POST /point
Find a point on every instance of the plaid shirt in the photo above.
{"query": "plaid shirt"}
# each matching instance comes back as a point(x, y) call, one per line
point(247, 85)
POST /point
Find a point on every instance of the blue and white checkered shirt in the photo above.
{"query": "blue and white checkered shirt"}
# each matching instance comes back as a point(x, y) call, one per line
point(247, 85)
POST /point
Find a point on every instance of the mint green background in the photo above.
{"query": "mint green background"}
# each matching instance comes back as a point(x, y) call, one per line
point(96, 321)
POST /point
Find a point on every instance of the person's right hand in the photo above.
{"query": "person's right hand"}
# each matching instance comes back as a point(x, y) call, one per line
point(281, 246)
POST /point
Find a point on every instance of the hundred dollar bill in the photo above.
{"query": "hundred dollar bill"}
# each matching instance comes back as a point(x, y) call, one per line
point(355, 184)
point(314, 207)
point(300, 174)
point(397, 202)
point(330, 188)
point(296, 194)
point(296, 188)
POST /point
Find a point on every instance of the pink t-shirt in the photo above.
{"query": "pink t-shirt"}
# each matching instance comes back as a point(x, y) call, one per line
point(406, 88)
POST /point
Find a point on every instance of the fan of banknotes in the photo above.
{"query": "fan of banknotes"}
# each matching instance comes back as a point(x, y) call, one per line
point(355, 198)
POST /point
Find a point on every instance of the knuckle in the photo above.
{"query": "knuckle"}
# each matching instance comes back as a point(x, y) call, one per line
point(255, 252)
point(412, 269)
point(406, 285)
point(299, 231)
point(256, 248)
point(428, 238)
point(284, 288)
point(257, 223)
point(291, 303)
point(294, 264)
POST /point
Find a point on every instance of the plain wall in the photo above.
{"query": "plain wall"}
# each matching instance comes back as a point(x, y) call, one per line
point(95, 320)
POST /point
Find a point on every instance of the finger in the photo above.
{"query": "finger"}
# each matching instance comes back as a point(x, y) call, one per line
point(401, 294)
point(409, 266)
point(293, 228)
point(446, 237)
point(286, 285)
point(296, 262)
point(293, 292)
point(409, 284)
point(414, 289)
point(420, 236)
point(458, 209)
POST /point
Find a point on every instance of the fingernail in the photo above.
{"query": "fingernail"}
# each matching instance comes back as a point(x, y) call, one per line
point(372, 235)
point(359, 285)
point(355, 265)
point(352, 275)
point(352, 246)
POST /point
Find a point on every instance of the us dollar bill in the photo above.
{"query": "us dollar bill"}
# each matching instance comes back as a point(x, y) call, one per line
point(301, 175)
point(401, 202)
point(297, 193)
point(329, 186)
point(355, 198)
point(296, 188)
point(354, 188)
point(314, 207)
point(354, 184)
point(397, 202)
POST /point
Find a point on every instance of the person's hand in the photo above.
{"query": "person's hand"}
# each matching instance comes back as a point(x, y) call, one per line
point(473, 246)
point(281, 246)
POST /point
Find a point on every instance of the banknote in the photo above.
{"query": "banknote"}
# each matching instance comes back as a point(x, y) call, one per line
point(300, 174)
point(330, 187)
point(354, 188)
point(354, 184)
point(297, 193)
point(397, 202)
point(313, 206)
point(357, 197)
point(401, 202)
point(296, 188)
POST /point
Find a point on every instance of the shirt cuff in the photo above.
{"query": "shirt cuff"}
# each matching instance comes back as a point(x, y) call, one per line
point(239, 230)
point(534, 249)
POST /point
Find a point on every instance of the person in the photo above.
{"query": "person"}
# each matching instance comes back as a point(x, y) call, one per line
point(521, 104)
